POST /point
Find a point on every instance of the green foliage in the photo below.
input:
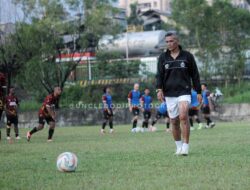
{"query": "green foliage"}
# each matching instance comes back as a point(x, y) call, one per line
point(30, 105)
point(129, 161)
point(219, 32)
point(133, 19)
point(93, 93)
point(238, 98)
point(235, 93)
point(73, 94)
point(9, 64)
point(40, 42)
point(110, 66)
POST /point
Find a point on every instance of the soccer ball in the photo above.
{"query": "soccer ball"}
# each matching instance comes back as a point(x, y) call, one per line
point(66, 162)
point(133, 130)
point(153, 129)
point(138, 129)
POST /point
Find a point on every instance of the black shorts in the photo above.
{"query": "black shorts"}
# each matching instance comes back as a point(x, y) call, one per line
point(147, 114)
point(192, 112)
point(12, 120)
point(206, 110)
point(47, 119)
point(159, 115)
point(106, 114)
point(135, 111)
point(1, 113)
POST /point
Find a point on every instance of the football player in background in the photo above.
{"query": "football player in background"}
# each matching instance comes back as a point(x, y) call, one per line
point(107, 110)
point(11, 109)
point(162, 111)
point(134, 97)
point(146, 103)
point(2, 96)
point(47, 113)
point(206, 106)
point(194, 110)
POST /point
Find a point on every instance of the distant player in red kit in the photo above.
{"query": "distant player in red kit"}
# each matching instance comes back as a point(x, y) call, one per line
point(11, 106)
point(47, 113)
point(2, 93)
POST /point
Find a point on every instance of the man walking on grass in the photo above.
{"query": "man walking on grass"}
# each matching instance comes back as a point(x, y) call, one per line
point(176, 74)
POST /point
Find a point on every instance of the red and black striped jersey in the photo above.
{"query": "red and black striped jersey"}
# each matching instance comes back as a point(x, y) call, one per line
point(49, 101)
point(11, 103)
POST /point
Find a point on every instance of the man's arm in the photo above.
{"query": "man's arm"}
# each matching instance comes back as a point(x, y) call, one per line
point(51, 112)
point(104, 101)
point(105, 105)
point(5, 106)
point(142, 103)
point(17, 105)
point(159, 75)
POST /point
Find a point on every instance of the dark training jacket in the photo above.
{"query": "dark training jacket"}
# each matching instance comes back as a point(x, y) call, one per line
point(174, 76)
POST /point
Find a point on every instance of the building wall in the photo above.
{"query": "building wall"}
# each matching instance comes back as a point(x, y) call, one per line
point(237, 3)
point(144, 5)
point(165, 5)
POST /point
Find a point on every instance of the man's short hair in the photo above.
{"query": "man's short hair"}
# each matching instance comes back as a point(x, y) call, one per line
point(205, 84)
point(56, 87)
point(171, 33)
point(105, 89)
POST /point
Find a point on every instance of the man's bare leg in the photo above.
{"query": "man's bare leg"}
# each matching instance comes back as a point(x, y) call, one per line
point(34, 130)
point(176, 130)
point(184, 122)
point(52, 126)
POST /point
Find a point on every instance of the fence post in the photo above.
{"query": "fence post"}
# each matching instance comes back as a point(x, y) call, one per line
point(89, 69)
point(127, 53)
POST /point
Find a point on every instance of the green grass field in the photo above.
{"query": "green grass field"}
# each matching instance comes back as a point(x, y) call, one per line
point(219, 159)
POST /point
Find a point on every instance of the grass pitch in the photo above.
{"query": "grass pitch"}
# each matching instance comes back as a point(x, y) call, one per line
point(219, 159)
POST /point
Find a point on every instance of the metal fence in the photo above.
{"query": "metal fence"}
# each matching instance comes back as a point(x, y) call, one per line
point(90, 71)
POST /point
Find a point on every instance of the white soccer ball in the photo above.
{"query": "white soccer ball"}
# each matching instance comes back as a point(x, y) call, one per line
point(153, 129)
point(66, 162)
point(133, 130)
point(138, 129)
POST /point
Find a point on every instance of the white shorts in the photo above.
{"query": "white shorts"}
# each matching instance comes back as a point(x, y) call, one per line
point(173, 104)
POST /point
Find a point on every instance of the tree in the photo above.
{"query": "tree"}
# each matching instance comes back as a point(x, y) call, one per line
point(40, 42)
point(8, 58)
point(134, 19)
point(219, 32)
point(112, 66)
point(193, 15)
point(234, 33)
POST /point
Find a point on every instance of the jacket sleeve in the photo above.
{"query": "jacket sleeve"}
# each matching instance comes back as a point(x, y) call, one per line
point(194, 73)
point(160, 74)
